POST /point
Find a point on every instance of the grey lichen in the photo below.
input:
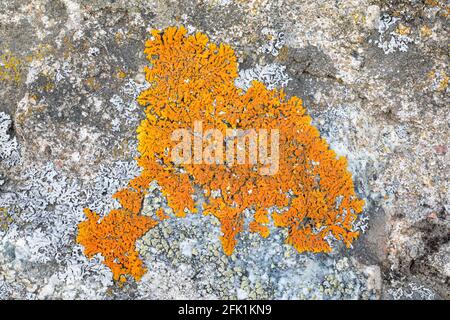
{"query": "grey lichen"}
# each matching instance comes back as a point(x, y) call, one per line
point(9, 148)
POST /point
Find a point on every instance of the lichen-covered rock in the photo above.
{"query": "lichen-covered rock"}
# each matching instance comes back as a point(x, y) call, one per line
point(372, 74)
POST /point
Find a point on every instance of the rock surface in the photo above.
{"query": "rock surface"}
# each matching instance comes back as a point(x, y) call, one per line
point(373, 75)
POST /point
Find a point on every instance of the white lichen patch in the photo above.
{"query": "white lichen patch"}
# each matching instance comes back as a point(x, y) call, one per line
point(109, 179)
point(9, 148)
point(391, 40)
point(125, 104)
point(45, 208)
point(410, 291)
point(276, 40)
point(272, 75)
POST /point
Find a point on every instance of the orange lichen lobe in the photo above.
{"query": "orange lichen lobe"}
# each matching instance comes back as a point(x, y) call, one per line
point(162, 215)
point(114, 237)
point(190, 80)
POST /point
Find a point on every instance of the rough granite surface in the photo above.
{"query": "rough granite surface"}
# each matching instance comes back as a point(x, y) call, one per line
point(373, 74)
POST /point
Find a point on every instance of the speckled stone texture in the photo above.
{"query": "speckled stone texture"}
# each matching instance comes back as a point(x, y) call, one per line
point(373, 75)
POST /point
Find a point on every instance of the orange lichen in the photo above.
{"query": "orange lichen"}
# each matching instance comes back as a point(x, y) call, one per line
point(130, 199)
point(161, 215)
point(191, 80)
point(114, 238)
